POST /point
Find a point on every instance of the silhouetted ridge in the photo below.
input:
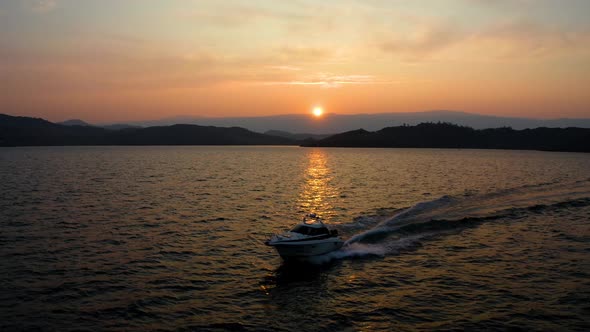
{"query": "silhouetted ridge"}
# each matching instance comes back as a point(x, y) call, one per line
point(23, 131)
point(338, 123)
point(355, 138)
point(119, 126)
point(196, 135)
point(23, 121)
point(445, 135)
point(74, 122)
point(296, 136)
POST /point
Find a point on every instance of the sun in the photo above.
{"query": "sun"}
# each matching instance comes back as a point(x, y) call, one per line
point(318, 111)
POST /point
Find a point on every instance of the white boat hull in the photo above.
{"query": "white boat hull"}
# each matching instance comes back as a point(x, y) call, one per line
point(303, 249)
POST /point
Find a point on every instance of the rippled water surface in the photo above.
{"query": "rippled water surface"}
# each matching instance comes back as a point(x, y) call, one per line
point(171, 238)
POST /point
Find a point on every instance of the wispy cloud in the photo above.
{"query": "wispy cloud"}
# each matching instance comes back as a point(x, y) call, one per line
point(328, 81)
point(233, 16)
point(426, 40)
point(521, 38)
point(285, 68)
point(304, 53)
point(41, 5)
point(507, 39)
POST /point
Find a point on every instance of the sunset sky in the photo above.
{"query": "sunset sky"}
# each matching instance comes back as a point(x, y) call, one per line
point(122, 60)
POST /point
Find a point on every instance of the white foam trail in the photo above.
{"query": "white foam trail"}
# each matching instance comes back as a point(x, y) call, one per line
point(356, 250)
point(382, 239)
point(403, 218)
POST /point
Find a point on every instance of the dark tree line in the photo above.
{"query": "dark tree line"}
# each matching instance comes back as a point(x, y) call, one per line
point(446, 135)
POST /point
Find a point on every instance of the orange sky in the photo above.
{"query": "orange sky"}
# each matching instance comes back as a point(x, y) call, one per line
point(109, 61)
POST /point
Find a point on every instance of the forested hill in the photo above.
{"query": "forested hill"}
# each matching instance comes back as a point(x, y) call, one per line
point(26, 131)
point(444, 135)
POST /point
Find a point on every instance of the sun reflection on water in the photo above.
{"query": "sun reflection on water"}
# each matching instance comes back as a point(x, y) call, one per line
point(317, 191)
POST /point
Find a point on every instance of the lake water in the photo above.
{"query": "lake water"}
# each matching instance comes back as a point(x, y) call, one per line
point(171, 238)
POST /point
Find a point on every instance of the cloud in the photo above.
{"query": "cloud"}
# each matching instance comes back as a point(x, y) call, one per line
point(285, 67)
point(303, 53)
point(502, 3)
point(507, 39)
point(138, 67)
point(118, 63)
point(519, 38)
point(41, 5)
point(234, 16)
point(425, 41)
point(327, 81)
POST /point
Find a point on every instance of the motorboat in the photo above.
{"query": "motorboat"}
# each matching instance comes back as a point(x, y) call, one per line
point(309, 238)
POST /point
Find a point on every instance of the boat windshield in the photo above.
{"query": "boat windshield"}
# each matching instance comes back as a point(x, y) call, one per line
point(305, 230)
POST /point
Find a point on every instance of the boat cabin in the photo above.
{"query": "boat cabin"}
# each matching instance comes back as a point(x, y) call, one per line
point(311, 229)
point(312, 225)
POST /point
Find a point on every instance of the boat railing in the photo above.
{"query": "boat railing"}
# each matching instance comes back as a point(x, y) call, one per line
point(312, 218)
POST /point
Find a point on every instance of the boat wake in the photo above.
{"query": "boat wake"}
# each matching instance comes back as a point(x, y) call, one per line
point(406, 229)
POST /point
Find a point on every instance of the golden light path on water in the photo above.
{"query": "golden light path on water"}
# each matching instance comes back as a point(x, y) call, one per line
point(317, 191)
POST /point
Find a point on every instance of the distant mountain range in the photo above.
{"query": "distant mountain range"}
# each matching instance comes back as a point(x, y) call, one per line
point(26, 131)
point(78, 122)
point(338, 123)
point(444, 135)
point(75, 122)
point(296, 137)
